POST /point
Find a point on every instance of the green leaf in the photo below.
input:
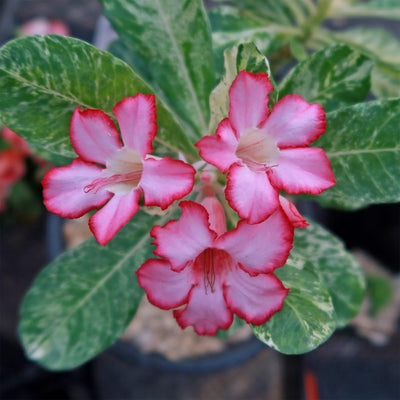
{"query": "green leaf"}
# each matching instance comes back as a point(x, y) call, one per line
point(283, 12)
point(250, 59)
point(219, 98)
point(334, 77)
point(44, 78)
point(380, 292)
point(83, 301)
point(232, 26)
point(172, 43)
point(385, 83)
point(247, 57)
point(307, 318)
point(338, 269)
point(376, 43)
point(363, 145)
point(373, 8)
point(326, 290)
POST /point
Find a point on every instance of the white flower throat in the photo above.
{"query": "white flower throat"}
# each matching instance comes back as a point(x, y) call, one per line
point(122, 173)
point(257, 149)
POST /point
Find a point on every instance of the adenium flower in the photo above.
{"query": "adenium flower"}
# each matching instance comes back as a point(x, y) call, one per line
point(16, 142)
point(266, 152)
point(12, 168)
point(43, 26)
point(126, 169)
point(211, 273)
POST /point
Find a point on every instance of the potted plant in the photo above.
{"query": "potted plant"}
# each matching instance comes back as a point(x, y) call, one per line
point(193, 169)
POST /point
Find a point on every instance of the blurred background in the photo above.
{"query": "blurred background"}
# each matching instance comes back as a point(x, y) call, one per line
point(359, 362)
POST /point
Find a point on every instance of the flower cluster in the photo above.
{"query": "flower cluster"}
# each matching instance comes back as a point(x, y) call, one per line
point(204, 272)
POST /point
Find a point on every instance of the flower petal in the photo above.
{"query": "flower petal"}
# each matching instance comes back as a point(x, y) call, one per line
point(114, 215)
point(164, 181)
point(216, 214)
point(93, 135)
point(248, 98)
point(206, 311)
point(302, 170)
point(137, 120)
point(291, 212)
point(64, 189)
point(254, 298)
point(267, 245)
point(182, 241)
point(294, 122)
point(219, 149)
point(164, 287)
point(12, 166)
point(250, 194)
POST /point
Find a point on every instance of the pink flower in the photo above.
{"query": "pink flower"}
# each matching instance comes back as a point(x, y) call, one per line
point(42, 26)
point(292, 213)
point(217, 273)
point(17, 142)
point(267, 152)
point(12, 168)
point(73, 190)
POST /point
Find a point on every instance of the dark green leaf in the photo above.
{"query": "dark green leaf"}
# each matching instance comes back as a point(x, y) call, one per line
point(171, 42)
point(334, 77)
point(83, 301)
point(363, 145)
point(43, 79)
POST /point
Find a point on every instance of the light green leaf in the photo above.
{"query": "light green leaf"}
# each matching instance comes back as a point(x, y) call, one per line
point(83, 301)
point(232, 26)
point(283, 12)
point(363, 145)
point(250, 59)
point(385, 83)
point(307, 318)
point(334, 77)
point(219, 98)
point(373, 8)
point(376, 43)
point(247, 57)
point(44, 78)
point(326, 290)
point(172, 43)
point(338, 269)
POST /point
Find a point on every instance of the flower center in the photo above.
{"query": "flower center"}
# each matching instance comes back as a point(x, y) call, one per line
point(212, 264)
point(257, 150)
point(122, 173)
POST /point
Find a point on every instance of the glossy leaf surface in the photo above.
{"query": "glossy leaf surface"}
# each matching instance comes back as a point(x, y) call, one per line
point(363, 145)
point(83, 301)
point(334, 77)
point(43, 79)
point(326, 290)
point(171, 41)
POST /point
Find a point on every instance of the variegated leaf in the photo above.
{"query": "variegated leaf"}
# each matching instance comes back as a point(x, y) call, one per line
point(44, 78)
point(83, 301)
point(307, 318)
point(376, 43)
point(334, 77)
point(326, 290)
point(372, 8)
point(363, 145)
point(338, 269)
point(171, 41)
